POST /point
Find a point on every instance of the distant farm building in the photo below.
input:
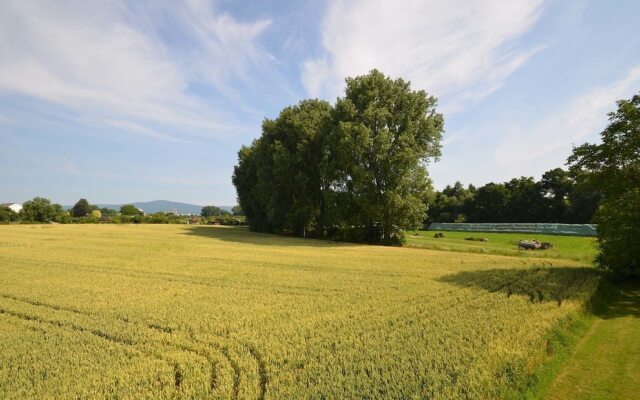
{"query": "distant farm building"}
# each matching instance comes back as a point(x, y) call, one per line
point(15, 207)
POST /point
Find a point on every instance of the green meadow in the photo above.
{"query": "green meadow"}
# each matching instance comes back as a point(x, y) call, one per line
point(581, 249)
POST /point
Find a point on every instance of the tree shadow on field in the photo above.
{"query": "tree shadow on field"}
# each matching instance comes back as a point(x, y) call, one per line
point(241, 234)
point(626, 302)
point(539, 284)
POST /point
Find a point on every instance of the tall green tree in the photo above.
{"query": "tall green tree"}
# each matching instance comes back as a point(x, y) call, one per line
point(82, 208)
point(491, 204)
point(7, 214)
point(40, 209)
point(453, 203)
point(130, 209)
point(556, 186)
point(384, 135)
point(237, 210)
point(614, 169)
point(277, 178)
point(526, 202)
point(360, 165)
point(108, 212)
point(212, 211)
point(584, 199)
point(294, 138)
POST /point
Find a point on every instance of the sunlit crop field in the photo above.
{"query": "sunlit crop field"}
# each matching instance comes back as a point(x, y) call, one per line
point(168, 311)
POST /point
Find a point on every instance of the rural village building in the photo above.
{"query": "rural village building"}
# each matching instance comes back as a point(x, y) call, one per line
point(15, 207)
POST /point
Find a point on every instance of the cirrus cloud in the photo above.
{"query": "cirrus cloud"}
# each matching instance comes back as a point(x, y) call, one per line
point(459, 50)
point(132, 62)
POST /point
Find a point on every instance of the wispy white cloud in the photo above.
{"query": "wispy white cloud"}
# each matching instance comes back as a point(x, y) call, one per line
point(458, 50)
point(550, 140)
point(127, 61)
point(144, 131)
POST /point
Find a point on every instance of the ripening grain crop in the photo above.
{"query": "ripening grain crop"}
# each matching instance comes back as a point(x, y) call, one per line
point(150, 311)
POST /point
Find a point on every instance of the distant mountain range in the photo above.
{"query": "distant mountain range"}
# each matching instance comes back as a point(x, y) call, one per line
point(150, 207)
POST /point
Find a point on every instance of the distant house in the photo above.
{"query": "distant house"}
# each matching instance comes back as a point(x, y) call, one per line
point(15, 207)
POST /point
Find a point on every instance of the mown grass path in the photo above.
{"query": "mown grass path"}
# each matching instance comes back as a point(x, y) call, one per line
point(606, 362)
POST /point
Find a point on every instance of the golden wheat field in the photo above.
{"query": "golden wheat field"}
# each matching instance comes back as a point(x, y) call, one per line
point(178, 311)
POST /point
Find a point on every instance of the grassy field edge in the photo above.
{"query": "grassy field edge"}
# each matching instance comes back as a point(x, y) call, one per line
point(581, 249)
point(562, 341)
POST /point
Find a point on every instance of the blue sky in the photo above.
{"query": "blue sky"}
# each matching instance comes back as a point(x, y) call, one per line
point(134, 101)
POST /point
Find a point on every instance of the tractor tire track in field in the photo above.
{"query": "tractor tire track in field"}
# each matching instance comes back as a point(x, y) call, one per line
point(71, 326)
point(178, 374)
point(177, 370)
point(262, 371)
point(100, 334)
point(251, 349)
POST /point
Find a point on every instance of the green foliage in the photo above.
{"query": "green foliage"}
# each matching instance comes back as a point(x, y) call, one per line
point(40, 209)
point(559, 197)
point(226, 219)
point(278, 180)
point(556, 185)
point(452, 201)
point(157, 218)
point(7, 215)
point(491, 204)
point(212, 211)
point(63, 217)
point(131, 215)
point(82, 208)
point(613, 167)
point(619, 233)
point(108, 212)
point(384, 136)
point(584, 198)
point(237, 211)
point(358, 166)
point(131, 210)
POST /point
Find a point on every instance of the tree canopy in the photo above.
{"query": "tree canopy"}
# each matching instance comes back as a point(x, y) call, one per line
point(108, 212)
point(558, 197)
point(356, 170)
point(82, 208)
point(130, 209)
point(613, 167)
point(237, 210)
point(7, 214)
point(213, 211)
point(40, 209)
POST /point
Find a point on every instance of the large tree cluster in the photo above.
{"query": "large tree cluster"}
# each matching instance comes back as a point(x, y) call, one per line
point(40, 209)
point(559, 197)
point(213, 211)
point(355, 170)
